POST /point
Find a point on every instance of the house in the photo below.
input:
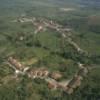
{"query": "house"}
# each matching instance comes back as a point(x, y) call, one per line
point(52, 85)
point(69, 90)
point(82, 72)
point(39, 29)
point(56, 75)
point(45, 72)
point(32, 74)
point(38, 73)
point(17, 65)
point(75, 82)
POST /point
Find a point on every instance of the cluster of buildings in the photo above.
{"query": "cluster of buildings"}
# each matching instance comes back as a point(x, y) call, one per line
point(42, 24)
point(17, 66)
point(38, 73)
point(24, 20)
point(32, 72)
point(52, 25)
point(50, 77)
point(76, 81)
point(70, 85)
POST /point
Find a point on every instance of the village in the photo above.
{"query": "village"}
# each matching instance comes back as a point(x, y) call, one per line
point(50, 77)
point(49, 50)
point(42, 24)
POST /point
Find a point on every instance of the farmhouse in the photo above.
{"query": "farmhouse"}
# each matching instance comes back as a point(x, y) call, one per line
point(56, 75)
point(75, 82)
point(38, 73)
point(15, 63)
